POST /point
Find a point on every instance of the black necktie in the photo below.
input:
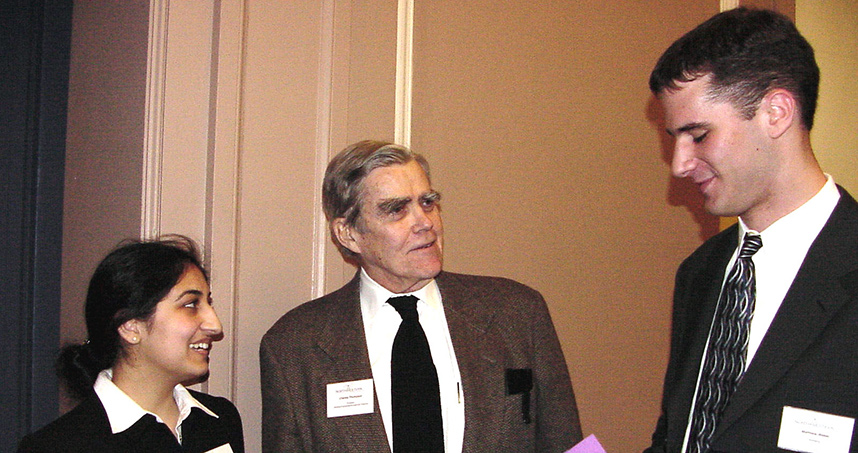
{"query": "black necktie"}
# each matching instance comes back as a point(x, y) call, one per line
point(416, 401)
point(728, 347)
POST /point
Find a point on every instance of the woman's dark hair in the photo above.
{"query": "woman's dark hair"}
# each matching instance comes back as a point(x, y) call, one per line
point(127, 284)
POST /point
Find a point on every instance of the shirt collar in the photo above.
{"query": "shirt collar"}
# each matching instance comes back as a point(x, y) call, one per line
point(373, 296)
point(807, 220)
point(122, 411)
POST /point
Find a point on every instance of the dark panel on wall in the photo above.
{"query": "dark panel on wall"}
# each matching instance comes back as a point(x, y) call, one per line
point(34, 53)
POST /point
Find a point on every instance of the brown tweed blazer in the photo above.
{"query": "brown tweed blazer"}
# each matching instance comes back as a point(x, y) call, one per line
point(495, 324)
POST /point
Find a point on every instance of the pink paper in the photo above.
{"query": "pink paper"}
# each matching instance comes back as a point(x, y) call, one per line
point(588, 445)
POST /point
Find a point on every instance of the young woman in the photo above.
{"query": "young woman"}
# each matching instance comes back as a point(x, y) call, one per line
point(151, 327)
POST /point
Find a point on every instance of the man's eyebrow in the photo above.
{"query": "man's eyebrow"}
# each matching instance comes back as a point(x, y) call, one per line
point(688, 127)
point(392, 204)
point(433, 195)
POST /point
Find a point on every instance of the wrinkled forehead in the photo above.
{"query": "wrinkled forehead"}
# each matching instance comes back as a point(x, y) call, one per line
point(398, 180)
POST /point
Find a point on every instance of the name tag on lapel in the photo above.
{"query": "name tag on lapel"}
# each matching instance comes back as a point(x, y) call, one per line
point(809, 431)
point(350, 398)
point(225, 448)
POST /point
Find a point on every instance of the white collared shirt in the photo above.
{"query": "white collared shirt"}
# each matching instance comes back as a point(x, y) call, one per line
point(785, 245)
point(123, 412)
point(381, 322)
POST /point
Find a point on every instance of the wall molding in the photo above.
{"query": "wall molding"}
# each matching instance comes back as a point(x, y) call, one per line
point(727, 5)
point(404, 66)
point(223, 223)
point(153, 136)
point(324, 125)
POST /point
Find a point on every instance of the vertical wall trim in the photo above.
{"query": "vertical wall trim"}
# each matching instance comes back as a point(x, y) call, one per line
point(324, 104)
point(153, 137)
point(404, 62)
point(211, 161)
point(211, 145)
point(727, 5)
point(223, 223)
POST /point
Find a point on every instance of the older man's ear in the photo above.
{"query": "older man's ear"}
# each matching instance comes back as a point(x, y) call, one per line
point(345, 235)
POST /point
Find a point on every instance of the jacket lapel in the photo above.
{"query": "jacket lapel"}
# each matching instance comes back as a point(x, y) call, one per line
point(696, 302)
point(470, 314)
point(819, 291)
point(343, 341)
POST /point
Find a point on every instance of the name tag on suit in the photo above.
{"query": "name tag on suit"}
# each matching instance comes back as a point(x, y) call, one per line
point(350, 398)
point(808, 431)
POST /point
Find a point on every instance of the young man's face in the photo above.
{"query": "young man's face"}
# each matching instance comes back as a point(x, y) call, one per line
point(398, 234)
point(725, 155)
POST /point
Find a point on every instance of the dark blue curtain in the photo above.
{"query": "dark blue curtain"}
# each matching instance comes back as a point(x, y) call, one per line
point(35, 37)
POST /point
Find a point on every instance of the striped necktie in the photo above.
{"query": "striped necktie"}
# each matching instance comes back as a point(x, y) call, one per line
point(727, 348)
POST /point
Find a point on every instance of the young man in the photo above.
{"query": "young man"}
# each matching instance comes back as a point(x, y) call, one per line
point(765, 322)
point(496, 379)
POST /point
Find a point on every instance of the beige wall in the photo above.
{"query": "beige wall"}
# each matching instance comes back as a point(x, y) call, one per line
point(831, 26)
point(536, 118)
point(103, 174)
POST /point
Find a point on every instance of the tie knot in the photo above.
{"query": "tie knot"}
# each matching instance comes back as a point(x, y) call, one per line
point(750, 246)
point(405, 305)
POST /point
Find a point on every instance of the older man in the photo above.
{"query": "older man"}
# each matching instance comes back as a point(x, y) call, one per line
point(406, 357)
point(765, 317)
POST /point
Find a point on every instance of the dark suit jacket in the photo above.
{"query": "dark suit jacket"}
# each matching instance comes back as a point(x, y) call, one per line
point(495, 324)
point(808, 357)
point(86, 429)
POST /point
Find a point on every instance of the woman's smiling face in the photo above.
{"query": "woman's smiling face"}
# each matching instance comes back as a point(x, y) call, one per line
point(175, 342)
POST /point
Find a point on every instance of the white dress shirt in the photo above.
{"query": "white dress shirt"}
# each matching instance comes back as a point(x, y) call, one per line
point(123, 412)
point(785, 245)
point(381, 322)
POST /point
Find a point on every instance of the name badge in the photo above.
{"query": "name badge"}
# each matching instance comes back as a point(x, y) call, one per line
point(808, 431)
point(350, 398)
point(225, 448)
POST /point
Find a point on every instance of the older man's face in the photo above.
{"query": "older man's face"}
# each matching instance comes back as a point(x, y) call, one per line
point(398, 234)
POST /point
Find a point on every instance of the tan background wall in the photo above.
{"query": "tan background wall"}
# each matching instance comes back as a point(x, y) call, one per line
point(104, 165)
point(536, 118)
point(830, 26)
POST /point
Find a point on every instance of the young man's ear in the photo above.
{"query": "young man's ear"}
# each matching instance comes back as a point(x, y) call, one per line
point(130, 330)
point(345, 235)
point(780, 110)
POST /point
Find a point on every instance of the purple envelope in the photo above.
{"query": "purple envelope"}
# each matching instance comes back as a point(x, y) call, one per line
point(588, 445)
